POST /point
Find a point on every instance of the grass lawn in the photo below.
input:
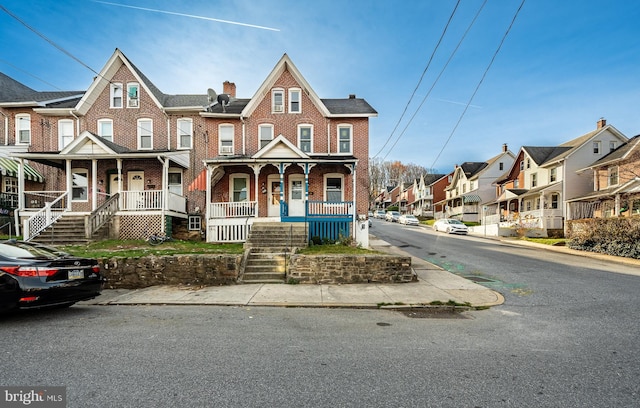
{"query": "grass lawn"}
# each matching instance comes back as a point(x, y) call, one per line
point(137, 248)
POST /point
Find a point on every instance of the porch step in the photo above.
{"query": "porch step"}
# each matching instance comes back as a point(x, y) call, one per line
point(269, 245)
point(67, 230)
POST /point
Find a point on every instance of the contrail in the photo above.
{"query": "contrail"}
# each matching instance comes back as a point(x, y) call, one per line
point(457, 103)
point(188, 15)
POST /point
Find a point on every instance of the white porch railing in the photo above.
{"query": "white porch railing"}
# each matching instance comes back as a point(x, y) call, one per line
point(152, 200)
point(233, 209)
point(330, 208)
point(45, 217)
point(229, 230)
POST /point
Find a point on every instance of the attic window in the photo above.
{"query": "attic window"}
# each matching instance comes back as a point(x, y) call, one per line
point(294, 101)
point(132, 95)
point(277, 101)
point(116, 95)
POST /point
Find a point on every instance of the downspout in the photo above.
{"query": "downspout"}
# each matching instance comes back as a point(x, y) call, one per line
point(165, 191)
point(329, 137)
point(77, 122)
point(244, 144)
point(6, 128)
point(168, 129)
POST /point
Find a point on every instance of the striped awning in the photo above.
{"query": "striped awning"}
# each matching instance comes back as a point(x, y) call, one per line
point(9, 167)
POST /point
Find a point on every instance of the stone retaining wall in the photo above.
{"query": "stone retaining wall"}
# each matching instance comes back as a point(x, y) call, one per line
point(216, 270)
point(196, 270)
point(332, 269)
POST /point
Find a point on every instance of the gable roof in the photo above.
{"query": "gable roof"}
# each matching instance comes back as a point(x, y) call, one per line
point(348, 107)
point(280, 147)
point(621, 153)
point(540, 154)
point(577, 143)
point(14, 93)
point(470, 169)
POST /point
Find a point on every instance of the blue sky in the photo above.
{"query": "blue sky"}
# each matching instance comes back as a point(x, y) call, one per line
point(564, 64)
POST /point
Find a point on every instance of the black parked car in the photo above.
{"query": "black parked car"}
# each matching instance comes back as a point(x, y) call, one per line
point(36, 276)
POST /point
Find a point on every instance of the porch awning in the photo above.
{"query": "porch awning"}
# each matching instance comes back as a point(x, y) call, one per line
point(9, 167)
point(471, 198)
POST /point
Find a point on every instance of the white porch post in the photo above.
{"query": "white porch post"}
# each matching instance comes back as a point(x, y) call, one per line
point(21, 192)
point(207, 199)
point(543, 225)
point(120, 198)
point(617, 205)
point(94, 184)
point(256, 174)
point(69, 184)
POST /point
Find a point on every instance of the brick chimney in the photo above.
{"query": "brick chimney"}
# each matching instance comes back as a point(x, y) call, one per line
point(229, 88)
point(504, 148)
point(601, 123)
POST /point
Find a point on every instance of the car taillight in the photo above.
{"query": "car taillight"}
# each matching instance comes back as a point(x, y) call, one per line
point(96, 268)
point(29, 271)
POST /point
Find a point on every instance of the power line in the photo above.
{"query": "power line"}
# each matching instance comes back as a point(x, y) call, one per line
point(479, 83)
point(30, 74)
point(438, 77)
point(420, 81)
point(44, 37)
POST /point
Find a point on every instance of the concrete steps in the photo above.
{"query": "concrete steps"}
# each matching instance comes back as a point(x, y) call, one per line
point(67, 230)
point(268, 247)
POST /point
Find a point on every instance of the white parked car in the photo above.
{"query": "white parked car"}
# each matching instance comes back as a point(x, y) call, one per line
point(450, 226)
point(408, 219)
point(392, 216)
point(379, 214)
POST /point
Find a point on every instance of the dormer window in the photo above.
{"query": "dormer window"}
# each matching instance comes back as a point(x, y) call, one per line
point(294, 101)
point(116, 95)
point(277, 101)
point(132, 95)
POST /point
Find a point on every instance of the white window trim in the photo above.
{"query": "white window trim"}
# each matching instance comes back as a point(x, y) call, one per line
point(20, 118)
point(86, 173)
point(597, 145)
point(179, 135)
point(340, 126)
point(112, 88)
point(310, 136)
point(140, 133)
point(233, 130)
point(299, 92)
point(100, 122)
point(609, 176)
point(194, 217)
point(277, 108)
point(324, 185)
point(266, 126)
point(133, 102)
point(175, 170)
point(61, 122)
point(232, 179)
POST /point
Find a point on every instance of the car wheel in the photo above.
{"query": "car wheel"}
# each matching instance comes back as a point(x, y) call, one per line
point(448, 231)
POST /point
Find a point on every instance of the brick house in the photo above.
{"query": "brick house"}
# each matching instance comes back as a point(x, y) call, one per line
point(616, 185)
point(124, 154)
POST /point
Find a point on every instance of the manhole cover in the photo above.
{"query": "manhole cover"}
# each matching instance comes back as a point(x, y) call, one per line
point(479, 279)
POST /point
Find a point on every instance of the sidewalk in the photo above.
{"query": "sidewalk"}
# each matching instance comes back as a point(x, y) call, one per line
point(434, 285)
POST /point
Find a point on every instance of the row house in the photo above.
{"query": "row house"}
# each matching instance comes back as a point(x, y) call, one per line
point(616, 185)
point(427, 190)
point(125, 154)
point(383, 199)
point(472, 184)
point(534, 191)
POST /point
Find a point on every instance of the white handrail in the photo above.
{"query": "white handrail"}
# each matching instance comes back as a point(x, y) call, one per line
point(45, 217)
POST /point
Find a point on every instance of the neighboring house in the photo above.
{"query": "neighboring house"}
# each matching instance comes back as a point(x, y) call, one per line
point(542, 179)
point(472, 185)
point(408, 198)
point(427, 190)
point(397, 198)
point(616, 185)
point(125, 153)
point(383, 200)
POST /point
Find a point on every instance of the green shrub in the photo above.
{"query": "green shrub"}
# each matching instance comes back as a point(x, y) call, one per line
point(611, 236)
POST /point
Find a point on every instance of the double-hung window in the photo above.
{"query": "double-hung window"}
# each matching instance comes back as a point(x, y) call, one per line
point(265, 134)
point(596, 147)
point(65, 133)
point(133, 98)
point(185, 133)
point(277, 101)
point(553, 175)
point(612, 145)
point(294, 101)
point(105, 129)
point(239, 188)
point(145, 134)
point(345, 142)
point(333, 188)
point(80, 185)
point(175, 181)
point(305, 138)
point(23, 129)
point(613, 176)
point(534, 180)
point(116, 95)
point(225, 136)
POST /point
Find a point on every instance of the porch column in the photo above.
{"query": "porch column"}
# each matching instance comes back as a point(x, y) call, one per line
point(119, 166)
point(256, 174)
point(617, 205)
point(21, 191)
point(69, 183)
point(281, 168)
point(307, 170)
point(542, 223)
point(94, 184)
point(207, 200)
point(352, 167)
